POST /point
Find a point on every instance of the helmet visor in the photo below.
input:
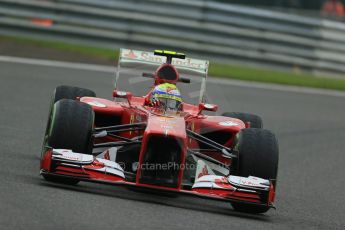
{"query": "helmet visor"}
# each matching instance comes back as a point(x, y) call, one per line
point(169, 104)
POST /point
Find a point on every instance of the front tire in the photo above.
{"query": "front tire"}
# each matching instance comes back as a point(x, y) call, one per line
point(258, 156)
point(70, 127)
point(71, 92)
point(63, 92)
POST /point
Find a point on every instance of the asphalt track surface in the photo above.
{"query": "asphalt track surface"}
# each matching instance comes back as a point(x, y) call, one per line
point(310, 128)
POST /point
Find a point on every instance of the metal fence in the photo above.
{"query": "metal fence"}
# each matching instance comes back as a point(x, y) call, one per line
point(223, 32)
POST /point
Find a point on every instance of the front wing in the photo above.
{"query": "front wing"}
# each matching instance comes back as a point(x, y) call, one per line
point(83, 167)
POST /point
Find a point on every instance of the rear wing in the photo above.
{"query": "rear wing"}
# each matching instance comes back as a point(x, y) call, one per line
point(129, 56)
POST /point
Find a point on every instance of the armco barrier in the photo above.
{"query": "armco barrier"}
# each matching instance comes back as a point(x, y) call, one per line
point(223, 32)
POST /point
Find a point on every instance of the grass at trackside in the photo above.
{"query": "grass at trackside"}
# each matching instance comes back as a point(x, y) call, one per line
point(62, 46)
point(216, 69)
point(277, 77)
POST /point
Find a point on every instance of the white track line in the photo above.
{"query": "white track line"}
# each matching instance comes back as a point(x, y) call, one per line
point(62, 64)
point(276, 87)
point(238, 83)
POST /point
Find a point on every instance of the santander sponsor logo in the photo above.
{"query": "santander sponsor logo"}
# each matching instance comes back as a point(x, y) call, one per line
point(70, 157)
point(106, 155)
point(147, 56)
point(203, 172)
point(131, 55)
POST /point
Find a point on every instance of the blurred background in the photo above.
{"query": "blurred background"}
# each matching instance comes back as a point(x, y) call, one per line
point(279, 41)
point(286, 42)
point(316, 8)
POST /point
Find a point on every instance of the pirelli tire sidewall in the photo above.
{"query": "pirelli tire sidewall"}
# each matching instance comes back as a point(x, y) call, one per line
point(258, 155)
point(63, 92)
point(71, 126)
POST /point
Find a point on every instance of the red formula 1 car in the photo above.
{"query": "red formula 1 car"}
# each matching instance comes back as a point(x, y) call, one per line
point(170, 146)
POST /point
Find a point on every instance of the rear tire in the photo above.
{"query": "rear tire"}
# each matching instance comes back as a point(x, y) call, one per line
point(255, 120)
point(71, 92)
point(70, 127)
point(258, 156)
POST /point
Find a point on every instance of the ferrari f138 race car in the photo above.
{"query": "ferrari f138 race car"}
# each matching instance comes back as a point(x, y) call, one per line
point(154, 135)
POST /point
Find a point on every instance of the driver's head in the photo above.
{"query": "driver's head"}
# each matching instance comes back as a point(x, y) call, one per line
point(166, 96)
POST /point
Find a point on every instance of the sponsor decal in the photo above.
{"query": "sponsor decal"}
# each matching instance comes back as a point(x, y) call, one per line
point(130, 55)
point(192, 128)
point(203, 172)
point(150, 57)
point(209, 106)
point(228, 123)
point(223, 183)
point(121, 93)
point(97, 104)
point(70, 158)
point(106, 155)
point(167, 120)
point(131, 121)
point(249, 181)
point(166, 126)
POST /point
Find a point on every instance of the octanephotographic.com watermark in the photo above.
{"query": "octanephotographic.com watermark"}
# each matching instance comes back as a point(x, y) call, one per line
point(159, 166)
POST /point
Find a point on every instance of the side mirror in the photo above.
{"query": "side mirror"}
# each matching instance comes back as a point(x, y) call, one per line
point(207, 107)
point(122, 94)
